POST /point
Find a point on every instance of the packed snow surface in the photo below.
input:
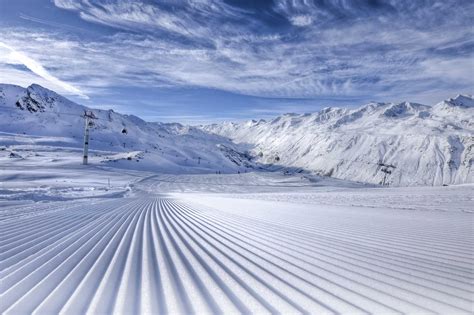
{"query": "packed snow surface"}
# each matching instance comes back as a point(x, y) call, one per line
point(249, 243)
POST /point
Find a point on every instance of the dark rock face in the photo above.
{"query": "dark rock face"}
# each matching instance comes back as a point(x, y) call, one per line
point(35, 100)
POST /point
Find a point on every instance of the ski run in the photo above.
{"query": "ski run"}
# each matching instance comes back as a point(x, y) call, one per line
point(185, 253)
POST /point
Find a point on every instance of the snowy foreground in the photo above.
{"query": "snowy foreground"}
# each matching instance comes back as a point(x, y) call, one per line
point(249, 243)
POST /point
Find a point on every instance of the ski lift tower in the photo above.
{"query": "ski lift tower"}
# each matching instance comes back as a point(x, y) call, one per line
point(88, 119)
point(387, 169)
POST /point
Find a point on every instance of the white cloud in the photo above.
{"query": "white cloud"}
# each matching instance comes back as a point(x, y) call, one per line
point(208, 44)
point(15, 57)
point(301, 20)
point(67, 4)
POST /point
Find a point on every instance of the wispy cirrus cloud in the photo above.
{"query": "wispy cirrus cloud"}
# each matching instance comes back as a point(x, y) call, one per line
point(12, 56)
point(345, 47)
point(290, 49)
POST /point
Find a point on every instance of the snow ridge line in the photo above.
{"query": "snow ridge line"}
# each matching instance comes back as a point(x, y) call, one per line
point(246, 232)
point(164, 255)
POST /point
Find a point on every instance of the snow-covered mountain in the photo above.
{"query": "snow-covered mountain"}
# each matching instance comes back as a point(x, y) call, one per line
point(37, 111)
point(401, 144)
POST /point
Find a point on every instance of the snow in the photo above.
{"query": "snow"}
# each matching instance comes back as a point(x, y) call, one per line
point(428, 145)
point(149, 227)
point(37, 116)
point(265, 243)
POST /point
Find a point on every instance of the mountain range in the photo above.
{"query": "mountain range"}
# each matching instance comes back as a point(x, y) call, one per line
point(400, 144)
point(392, 143)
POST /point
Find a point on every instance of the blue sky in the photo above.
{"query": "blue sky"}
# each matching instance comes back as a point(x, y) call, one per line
point(198, 61)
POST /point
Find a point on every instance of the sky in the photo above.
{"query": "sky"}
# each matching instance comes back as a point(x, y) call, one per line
point(196, 61)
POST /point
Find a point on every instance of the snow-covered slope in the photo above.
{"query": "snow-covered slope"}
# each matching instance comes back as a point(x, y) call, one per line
point(213, 254)
point(407, 143)
point(399, 144)
point(36, 111)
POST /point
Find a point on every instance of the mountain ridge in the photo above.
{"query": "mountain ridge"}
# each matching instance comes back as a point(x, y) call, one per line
point(428, 145)
point(400, 144)
point(170, 148)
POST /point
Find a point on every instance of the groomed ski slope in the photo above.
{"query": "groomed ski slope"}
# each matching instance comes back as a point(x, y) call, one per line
point(191, 253)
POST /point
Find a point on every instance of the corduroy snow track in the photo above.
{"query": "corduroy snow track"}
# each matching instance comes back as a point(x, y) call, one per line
point(163, 254)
